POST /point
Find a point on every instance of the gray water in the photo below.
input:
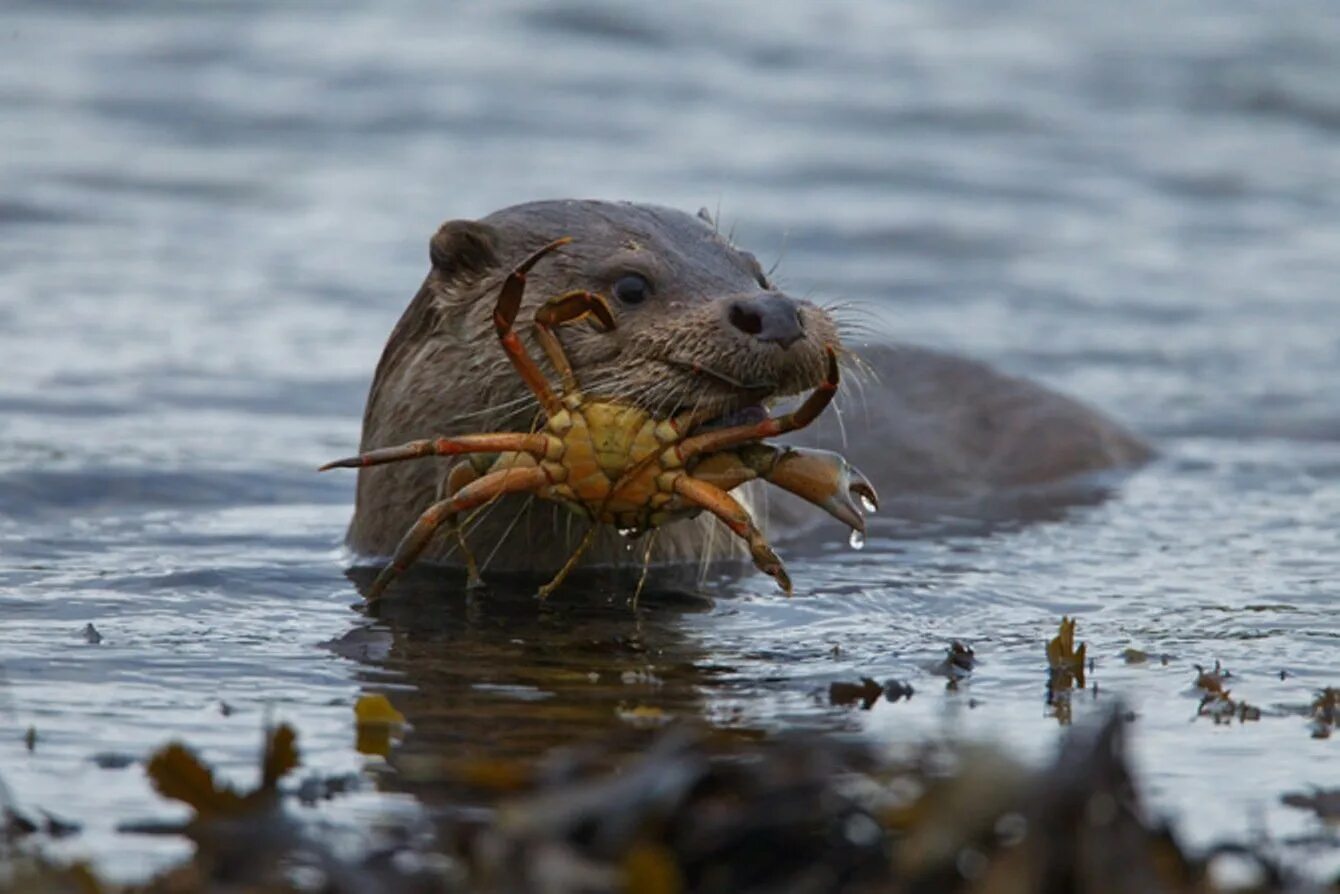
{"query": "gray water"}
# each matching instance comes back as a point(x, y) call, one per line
point(212, 214)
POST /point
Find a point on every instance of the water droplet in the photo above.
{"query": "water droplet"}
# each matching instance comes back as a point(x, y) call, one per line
point(868, 504)
point(857, 540)
point(628, 532)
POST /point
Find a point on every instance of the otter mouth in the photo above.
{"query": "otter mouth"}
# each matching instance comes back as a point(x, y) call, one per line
point(760, 387)
point(752, 414)
point(744, 405)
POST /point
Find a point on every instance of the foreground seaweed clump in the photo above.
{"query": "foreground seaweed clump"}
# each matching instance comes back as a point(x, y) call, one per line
point(699, 813)
point(805, 815)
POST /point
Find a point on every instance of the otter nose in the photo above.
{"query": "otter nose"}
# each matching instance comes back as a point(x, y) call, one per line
point(768, 317)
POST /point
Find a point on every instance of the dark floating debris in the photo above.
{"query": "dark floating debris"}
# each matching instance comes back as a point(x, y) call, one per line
point(864, 693)
point(1325, 803)
point(958, 662)
point(1221, 708)
point(1325, 712)
point(1140, 656)
point(316, 788)
point(1216, 701)
point(895, 690)
point(867, 692)
point(57, 827)
point(113, 760)
point(17, 825)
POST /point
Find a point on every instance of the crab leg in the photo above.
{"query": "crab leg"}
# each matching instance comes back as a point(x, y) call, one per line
point(494, 484)
point(461, 475)
point(720, 439)
point(822, 477)
point(726, 508)
point(536, 445)
point(570, 564)
point(569, 308)
point(504, 316)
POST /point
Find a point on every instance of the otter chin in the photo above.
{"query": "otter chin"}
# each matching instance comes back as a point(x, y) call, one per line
point(700, 327)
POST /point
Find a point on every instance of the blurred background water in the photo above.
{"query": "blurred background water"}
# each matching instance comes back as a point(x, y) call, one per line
point(212, 214)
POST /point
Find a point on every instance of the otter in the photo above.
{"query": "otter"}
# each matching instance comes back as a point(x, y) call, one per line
point(699, 325)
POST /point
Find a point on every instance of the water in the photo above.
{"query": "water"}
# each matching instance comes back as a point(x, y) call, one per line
point(211, 215)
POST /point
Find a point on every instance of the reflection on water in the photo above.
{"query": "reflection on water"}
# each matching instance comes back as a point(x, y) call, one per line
point(489, 674)
point(212, 214)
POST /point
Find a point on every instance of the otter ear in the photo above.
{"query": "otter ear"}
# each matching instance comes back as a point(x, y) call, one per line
point(463, 248)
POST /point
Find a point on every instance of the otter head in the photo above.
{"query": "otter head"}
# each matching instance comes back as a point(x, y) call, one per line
point(698, 323)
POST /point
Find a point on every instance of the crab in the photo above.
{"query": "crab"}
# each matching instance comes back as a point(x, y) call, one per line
point(611, 461)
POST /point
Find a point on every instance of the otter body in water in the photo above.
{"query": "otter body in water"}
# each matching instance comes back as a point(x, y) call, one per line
point(699, 326)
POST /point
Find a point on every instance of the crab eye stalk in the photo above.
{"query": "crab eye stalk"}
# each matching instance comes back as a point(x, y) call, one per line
point(632, 289)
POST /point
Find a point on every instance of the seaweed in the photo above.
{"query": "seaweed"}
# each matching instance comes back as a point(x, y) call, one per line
point(700, 813)
point(1065, 670)
point(376, 724)
point(1217, 702)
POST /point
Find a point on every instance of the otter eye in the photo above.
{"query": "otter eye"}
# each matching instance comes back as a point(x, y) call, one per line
point(632, 288)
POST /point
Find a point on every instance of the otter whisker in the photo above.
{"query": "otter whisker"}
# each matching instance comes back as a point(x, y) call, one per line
point(842, 305)
point(705, 561)
point(530, 502)
point(855, 320)
point(781, 253)
point(859, 398)
point(842, 425)
point(859, 373)
point(862, 370)
point(494, 409)
point(523, 400)
point(854, 328)
point(477, 518)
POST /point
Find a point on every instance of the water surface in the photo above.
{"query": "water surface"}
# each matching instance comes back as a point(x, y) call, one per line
point(212, 214)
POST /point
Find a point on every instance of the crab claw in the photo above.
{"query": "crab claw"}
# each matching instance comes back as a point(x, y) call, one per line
point(827, 480)
point(821, 477)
